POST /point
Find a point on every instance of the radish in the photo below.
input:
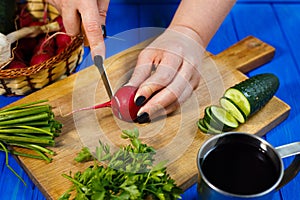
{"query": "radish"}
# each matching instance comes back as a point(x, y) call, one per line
point(63, 40)
point(15, 64)
point(59, 20)
point(45, 44)
point(36, 23)
point(24, 49)
point(7, 40)
point(25, 18)
point(122, 104)
point(43, 51)
point(40, 58)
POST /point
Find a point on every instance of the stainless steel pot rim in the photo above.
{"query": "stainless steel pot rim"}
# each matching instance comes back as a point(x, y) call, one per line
point(263, 142)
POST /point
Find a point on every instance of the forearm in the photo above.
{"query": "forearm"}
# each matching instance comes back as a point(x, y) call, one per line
point(202, 16)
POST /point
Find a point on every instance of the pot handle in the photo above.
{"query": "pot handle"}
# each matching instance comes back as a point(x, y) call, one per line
point(294, 168)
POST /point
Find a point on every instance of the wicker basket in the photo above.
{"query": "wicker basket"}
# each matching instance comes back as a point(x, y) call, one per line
point(26, 80)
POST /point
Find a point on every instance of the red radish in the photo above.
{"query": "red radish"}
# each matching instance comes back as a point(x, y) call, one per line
point(122, 104)
point(36, 23)
point(25, 18)
point(15, 64)
point(25, 48)
point(40, 58)
point(59, 20)
point(63, 40)
point(59, 50)
point(45, 45)
point(27, 44)
point(9, 39)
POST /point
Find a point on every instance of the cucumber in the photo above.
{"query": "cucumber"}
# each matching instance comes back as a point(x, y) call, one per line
point(7, 16)
point(238, 103)
point(222, 116)
point(202, 126)
point(211, 129)
point(233, 109)
point(253, 93)
point(239, 99)
point(210, 120)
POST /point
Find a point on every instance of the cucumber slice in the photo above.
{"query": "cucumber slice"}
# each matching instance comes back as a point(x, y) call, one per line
point(211, 121)
point(202, 126)
point(211, 129)
point(239, 99)
point(234, 110)
point(223, 116)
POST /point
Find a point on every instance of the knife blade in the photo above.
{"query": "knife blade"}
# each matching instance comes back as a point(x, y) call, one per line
point(98, 61)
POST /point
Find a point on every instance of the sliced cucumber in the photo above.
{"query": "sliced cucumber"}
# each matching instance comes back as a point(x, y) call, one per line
point(223, 116)
point(211, 121)
point(239, 99)
point(233, 109)
point(202, 126)
point(211, 129)
point(238, 103)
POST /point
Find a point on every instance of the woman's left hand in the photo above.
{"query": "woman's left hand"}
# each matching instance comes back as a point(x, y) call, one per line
point(167, 72)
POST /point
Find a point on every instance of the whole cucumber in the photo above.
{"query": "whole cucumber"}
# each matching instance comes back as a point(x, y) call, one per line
point(258, 90)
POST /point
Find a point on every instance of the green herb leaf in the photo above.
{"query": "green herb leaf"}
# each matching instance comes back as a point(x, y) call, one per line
point(84, 155)
point(129, 174)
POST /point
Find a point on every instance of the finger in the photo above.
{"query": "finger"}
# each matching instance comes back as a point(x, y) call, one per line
point(71, 19)
point(92, 25)
point(175, 105)
point(180, 86)
point(143, 68)
point(194, 82)
point(102, 9)
point(162, 77)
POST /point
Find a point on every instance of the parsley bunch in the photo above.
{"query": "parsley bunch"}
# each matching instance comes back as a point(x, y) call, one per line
point(130, 174)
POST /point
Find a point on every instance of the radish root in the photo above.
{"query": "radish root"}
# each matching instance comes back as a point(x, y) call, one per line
point(102, 105)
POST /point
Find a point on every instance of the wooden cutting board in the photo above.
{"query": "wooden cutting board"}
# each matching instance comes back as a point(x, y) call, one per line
point(176, 137)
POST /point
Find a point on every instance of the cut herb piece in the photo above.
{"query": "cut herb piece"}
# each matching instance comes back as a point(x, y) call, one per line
point(130, 174)
point(84, 155)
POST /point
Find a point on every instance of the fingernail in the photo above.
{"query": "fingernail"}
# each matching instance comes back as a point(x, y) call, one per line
point(103, 27)
point(143, 118)
point(140, 100)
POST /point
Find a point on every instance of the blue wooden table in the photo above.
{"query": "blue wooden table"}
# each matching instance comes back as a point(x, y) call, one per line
point(276, 22)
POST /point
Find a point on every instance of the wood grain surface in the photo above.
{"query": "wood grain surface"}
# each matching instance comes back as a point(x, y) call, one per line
point(175, 137)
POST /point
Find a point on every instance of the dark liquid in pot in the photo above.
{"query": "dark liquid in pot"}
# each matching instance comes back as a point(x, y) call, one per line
point(240, 169)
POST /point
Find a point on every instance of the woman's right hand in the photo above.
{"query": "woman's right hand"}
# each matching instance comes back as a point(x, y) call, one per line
point(90, 14)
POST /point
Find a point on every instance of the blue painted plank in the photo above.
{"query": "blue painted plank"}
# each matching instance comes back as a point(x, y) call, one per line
point(224, 37)
point(144, 1)
point(11, 187)
point(268, 1)
point(288, 16)
point(289, 19)
point(264, 25)
point(245, 23)
point(121, 17)
point(156, 15)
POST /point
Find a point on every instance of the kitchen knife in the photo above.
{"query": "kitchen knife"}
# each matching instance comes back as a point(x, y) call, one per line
point(98, 61)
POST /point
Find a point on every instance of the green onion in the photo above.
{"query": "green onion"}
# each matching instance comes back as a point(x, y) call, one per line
point(29, 126)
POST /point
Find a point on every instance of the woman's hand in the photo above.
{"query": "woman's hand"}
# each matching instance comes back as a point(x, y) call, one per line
point(167, 72)
point(90, 14)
